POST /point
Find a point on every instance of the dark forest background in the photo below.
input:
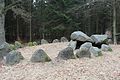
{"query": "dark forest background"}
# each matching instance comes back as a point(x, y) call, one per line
point(29, 20)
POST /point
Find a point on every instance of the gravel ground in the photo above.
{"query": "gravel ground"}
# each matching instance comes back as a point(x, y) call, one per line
point(106, 67)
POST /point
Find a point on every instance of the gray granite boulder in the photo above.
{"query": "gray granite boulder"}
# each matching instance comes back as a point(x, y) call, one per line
point(12, 47)
point(43, 41)
point(35, 43)
point(106, 47)
point(80, 36)
point(14, 57)
point(18, 45)
point(55, 41)
point(66, 53)
point(84, 50)
point(72, 44)
point(99, 39)
point(64, 39)
point(4, 50)
point(40, 56)
point(95, 52)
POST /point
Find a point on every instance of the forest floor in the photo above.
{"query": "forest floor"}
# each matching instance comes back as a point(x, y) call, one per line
point(106, 67)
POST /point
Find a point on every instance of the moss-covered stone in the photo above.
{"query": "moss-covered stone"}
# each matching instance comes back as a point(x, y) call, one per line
point(84, 50)
point(64, 39)
point(55, 41)
point(35, 43)
point(40, 56)
point(14, 57)
point(18, 45)
point(12, 47)
point(30, 44)
point(4, 50)
point(66, 53)
point(106, 48)
point(43, 41)
point(95, 52)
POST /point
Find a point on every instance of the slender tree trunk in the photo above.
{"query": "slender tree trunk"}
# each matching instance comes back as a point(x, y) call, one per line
point(2, 18)
point(114, 22)
point(30, 31)
point(30, 22)
point(43, 34)
point(97, 27)
point(18, 37)
point(89, 23)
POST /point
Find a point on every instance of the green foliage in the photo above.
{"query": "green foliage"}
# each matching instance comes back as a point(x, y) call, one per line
point(32, 43)
point(110, 50)
point(100, 54)
point(47, 58)
point(105, 41)
point(56, 18)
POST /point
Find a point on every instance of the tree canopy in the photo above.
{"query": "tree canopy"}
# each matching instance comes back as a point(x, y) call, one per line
point(51, 19)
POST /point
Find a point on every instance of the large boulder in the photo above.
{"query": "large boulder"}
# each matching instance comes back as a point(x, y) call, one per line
point(66, 53)
point(43, 41)
point(84, 50)
point(106, 47)
point(55, 41)
point(40, 56)
point(4, 45)
point(99, 39)
point(4, 50)
point(14, 57)
point(64, 39)
point(72, 44)
point(95, 52)
point(80, 36)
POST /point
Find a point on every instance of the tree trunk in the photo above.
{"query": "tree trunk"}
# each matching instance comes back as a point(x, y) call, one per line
point(114, 22)
point(30, 31)
point(18, 37)
point(97, 25)
point(2, 18)
point(2, 31)
point(30, 22)
point(43, 34)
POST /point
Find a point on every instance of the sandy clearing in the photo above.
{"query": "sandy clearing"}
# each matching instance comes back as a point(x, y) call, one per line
point(106, 67)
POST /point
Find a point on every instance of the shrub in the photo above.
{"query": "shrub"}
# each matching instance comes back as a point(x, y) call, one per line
point(110, 50)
